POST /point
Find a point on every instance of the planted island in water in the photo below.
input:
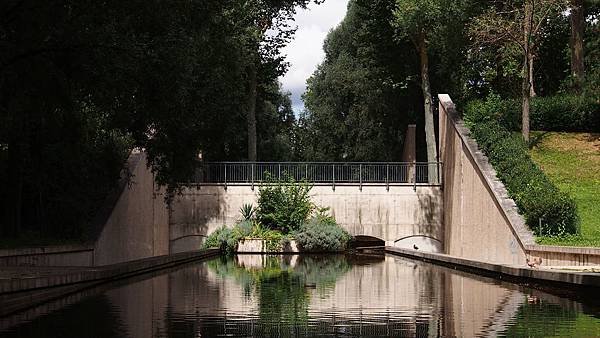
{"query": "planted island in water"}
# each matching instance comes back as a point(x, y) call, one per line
point(285, 215)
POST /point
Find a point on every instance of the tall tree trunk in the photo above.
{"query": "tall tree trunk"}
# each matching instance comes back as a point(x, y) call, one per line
point(428, 105)
point(252, 94)
point(532, 92)
point(526, 92)
point(577, 31)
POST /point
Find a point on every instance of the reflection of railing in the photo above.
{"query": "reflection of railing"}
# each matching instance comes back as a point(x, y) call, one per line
point(330, 173)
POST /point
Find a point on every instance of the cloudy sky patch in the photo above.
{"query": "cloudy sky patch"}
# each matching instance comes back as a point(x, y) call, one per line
point(305, 52)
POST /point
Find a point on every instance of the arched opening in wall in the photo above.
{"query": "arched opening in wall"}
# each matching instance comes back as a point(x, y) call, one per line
point(367, 241)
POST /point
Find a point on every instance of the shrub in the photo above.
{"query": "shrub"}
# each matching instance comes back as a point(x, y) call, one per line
point(322, 233)
point(221, 238)
point(284, 205)
point(535, 195)
point(554, 113)
point(226, 239)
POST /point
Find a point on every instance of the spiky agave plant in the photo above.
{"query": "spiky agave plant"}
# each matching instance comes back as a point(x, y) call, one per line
point(247, 211)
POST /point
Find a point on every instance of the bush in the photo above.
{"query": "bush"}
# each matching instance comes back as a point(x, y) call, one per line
point(322, 233)
point(226, 239)
point(535, 195)
point(221, 238)
point(554, 113)
point(284, 205)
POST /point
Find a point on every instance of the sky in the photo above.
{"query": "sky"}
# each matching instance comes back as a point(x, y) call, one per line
point(305, 52)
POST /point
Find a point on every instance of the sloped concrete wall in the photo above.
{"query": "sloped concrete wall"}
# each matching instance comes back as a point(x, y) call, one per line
point(138, 226)
point(476, 226)
point(389, 215)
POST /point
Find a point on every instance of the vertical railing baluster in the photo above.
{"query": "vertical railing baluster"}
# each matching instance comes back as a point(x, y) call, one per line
point(333, 170)
point(252, 170)
point(225, 165)
point(387, 177)
point(415, 178)
point(279, 171)
point(360, 177)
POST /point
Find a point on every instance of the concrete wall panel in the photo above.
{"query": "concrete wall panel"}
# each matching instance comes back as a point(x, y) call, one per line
point(375, 211)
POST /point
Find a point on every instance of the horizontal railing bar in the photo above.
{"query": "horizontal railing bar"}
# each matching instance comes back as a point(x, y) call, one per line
point(332, 163)
point(320, 172)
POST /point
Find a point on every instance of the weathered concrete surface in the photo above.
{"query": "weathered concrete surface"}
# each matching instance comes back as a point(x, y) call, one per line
point(389, 215)
point(138, 225)
point(22, 287)
point(257, 245)
point(518, 272)
point(480, 220)
point(476, 224)
point(60, 255)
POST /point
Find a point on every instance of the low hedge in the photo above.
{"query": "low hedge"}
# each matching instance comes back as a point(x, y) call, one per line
point(535, 195)
point(553, 113)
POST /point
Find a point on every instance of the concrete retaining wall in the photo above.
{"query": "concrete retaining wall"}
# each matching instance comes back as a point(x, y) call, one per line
point(390, 215)
point(62, 255)
point(480, 221)
point(138, 226)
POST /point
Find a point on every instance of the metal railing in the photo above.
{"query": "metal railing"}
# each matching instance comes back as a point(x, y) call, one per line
point(330, 173)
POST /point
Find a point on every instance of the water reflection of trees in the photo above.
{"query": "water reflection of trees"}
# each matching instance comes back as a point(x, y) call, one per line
point(537, 317)
point(281, 285)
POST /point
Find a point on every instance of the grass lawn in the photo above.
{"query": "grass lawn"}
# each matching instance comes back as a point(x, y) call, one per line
point(572, 161)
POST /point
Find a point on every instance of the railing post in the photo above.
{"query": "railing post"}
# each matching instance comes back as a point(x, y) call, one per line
point(415, 177)
point(387, 177)
point(279, 171)
point(252, 169)
point(333, 170)
point(225, 164)
point(306, 172)
point(360, 177)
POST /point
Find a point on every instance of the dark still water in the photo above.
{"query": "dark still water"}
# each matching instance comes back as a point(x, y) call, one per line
point(314, 296)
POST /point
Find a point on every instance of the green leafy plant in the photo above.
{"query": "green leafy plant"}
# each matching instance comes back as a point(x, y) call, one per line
point(553, 113)
point(284, 204)
point(321, 233)
point(247, 211)
point(538, 199)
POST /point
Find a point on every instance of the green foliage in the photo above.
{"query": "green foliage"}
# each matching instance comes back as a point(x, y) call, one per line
point(321, 233)
point(535, 195)
point(284, 205)
point(220, 238)
point(361, 98)
point(555, 113)
point(227, 239)
point(247, 211)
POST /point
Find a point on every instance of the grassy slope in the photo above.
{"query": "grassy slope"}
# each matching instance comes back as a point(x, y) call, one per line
point(572, 161)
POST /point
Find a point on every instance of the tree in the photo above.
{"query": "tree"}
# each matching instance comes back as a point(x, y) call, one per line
point(519, 24)
point(420, 21)
point(84, 82)
point(577, 19)
point(268, 26)
point(362, 96)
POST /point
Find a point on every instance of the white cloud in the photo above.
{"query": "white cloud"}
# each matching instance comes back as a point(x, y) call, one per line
point(305, 52)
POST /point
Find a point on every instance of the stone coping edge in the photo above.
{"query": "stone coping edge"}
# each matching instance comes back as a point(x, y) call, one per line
point(45, 250)
point(57, 276)
point(506, 204)
point(577, 279)
point(18, 294)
